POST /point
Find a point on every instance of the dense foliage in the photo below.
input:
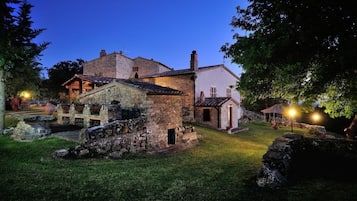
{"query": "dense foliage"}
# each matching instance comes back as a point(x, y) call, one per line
point(299, 51)
point(60, 73)
point(19, 66)
point(19, 54)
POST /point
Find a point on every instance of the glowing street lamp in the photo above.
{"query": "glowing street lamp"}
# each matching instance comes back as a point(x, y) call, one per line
point(25, 94)
point(292, 113)
point(315, 117)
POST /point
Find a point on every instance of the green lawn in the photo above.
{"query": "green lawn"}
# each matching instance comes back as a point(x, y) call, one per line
point(222, 167)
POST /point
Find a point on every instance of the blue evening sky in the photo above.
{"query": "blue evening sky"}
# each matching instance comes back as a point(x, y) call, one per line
point(164, 30)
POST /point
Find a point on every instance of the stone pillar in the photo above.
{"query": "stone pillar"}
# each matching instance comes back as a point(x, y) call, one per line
point(86, 116)
point(104, 114)
point(72, 112)
point(59, 114)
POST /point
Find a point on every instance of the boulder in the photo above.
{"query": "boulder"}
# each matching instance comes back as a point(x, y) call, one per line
point(29, 132)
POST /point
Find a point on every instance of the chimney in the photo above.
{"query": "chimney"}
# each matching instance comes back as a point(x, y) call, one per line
point(102, 53)
point(194, 61)
point(202, 97)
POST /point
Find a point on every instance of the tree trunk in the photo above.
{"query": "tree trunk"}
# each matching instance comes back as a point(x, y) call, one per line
point(351, 130)
point(2, 100)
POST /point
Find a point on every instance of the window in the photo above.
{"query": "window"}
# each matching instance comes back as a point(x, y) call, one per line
point(206, 115)
point(213, 92)
point(229, 92)
point(136, 69)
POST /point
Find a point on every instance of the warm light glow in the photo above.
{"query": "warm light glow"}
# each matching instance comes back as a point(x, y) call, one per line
point(316, 117)
point(292, 112)
point(25, 94)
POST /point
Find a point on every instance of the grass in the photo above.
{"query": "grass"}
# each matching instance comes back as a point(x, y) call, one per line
point(222, 167)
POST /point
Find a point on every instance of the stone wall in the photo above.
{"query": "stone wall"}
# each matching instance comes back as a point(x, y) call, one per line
point(164, 112)
point(148, 67)
point(293, 156)
point(120, 137)
point(213, 122)
point(109, 66)
point(184, 83)
point(129, 96)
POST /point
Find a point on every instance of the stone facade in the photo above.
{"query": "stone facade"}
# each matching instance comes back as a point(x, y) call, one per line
point(219, 112)
point(117, 65)
point(213, 121)
point(120, 137)
point(214, 81)
point(129, 96)
point(163, 113)
point(160, 107)
point(184, 83)
point(144, 67)
point(109, 66)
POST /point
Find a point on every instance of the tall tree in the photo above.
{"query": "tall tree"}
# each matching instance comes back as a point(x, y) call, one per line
point(18, 52)
point(298, 50)
point(61, 72)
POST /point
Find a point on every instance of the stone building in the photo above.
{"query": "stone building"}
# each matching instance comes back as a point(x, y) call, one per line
point(219, 112)
point(217, 81)
point(102, 70)
point(161, 107)
point(117, 65)
point(183, 80)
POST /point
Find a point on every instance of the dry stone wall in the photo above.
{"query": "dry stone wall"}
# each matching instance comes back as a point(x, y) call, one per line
point(120, 137)
point(293, 156)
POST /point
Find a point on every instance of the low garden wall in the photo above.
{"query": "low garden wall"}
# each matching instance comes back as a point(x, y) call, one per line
point(119, 137)
point(293, 156)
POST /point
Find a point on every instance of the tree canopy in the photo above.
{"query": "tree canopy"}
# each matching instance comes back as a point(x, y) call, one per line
point(299, 51)
point(61, 72)
point(19, 66)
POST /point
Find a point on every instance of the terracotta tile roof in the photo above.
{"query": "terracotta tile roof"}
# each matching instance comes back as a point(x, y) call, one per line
point(212, 102)
point(149, 87)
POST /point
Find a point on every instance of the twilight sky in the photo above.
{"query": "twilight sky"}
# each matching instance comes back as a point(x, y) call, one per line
point(164, 30)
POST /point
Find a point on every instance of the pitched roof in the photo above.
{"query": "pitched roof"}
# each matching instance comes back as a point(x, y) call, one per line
point(149, 87)
point(170, 73)
point(212, 102)
point(189, 71)
point(91, 78)
point(277, 108)
point(150, 60)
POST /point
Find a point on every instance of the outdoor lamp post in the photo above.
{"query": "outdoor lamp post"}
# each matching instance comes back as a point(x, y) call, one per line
point(315, 117)
point(292, 113)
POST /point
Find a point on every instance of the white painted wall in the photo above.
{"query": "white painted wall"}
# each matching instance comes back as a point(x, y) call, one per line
point(219, 77)
point(225, 114)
